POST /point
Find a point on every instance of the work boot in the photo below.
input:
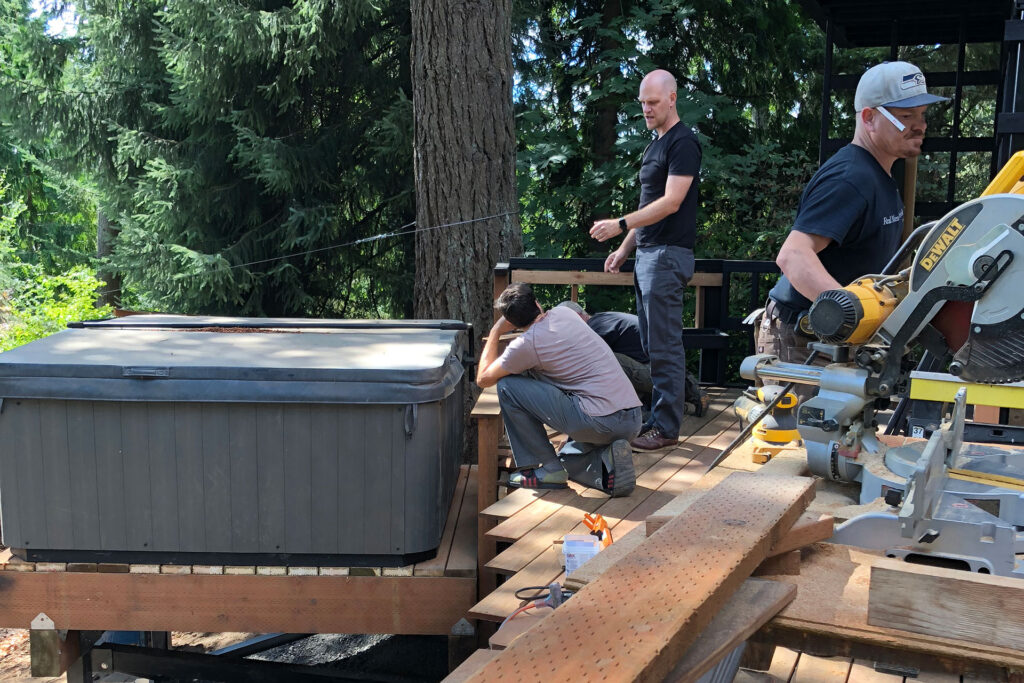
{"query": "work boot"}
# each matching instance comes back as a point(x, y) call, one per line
point(539, 478)
point(620, 480)
point(652, 440)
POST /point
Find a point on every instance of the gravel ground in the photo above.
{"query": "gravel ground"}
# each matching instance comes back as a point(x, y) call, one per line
point(397, 659)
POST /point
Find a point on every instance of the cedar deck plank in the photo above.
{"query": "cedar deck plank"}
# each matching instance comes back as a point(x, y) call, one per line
point(832, 603)
point(810, 528)
point(462, 561)
point(514, 528)
point(980, 608)
point(747, 610)
point(513, 502)
point(520, 553)
point(812, 669)
point(635, 624)
point(934, 677)
point(547, 566)
point(247, 603)
point(435, 565)
point(562, 521)
point(501, 602)
point(487, 404)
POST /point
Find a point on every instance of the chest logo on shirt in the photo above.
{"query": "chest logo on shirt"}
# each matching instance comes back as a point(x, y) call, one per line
point(941, 244)
point(895, 218)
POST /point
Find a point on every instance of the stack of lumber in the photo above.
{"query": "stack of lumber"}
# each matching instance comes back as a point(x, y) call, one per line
point(641, 617)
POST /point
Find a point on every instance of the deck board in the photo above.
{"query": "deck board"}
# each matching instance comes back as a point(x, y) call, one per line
point(435, 566)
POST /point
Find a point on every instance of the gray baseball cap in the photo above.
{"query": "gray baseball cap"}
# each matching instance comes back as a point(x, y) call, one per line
point(893, 84)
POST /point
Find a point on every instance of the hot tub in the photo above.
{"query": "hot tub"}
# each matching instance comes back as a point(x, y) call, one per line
point(177, 439)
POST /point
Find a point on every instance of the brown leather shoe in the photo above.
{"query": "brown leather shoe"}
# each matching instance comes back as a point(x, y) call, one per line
point(652, 440)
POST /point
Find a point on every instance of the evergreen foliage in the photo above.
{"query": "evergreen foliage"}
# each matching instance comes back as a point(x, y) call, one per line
point(219, 137)
point(223, 136)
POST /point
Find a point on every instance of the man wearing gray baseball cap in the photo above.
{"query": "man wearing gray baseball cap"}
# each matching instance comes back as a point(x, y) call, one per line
point(850, 219)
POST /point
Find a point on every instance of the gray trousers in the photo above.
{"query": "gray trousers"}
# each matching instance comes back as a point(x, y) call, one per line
point(660, 278)
point(527, 404)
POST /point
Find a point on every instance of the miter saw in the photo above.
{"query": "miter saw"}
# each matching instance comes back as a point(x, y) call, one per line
point(962, 300)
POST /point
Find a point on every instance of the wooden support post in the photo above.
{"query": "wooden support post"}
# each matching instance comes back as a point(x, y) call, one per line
point(461, 643)
point(51, 652)
point(698, 308)
point(488, 430)
point(909, 195)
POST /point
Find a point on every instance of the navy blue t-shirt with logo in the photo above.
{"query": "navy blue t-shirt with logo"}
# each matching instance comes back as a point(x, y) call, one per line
point(852, 200)
point(677, 152)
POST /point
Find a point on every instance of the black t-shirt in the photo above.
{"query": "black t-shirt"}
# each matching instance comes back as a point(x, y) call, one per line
point(852, 200)
point(677, 152)
point(621, 331)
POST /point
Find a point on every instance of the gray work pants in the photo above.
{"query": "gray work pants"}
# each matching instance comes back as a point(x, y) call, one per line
point(660, 278)
point(527, 404)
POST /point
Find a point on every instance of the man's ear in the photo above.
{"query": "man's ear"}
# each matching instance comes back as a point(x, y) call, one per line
point(868, 117)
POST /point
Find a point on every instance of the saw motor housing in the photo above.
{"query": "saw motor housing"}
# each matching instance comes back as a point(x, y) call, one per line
point(851, 315)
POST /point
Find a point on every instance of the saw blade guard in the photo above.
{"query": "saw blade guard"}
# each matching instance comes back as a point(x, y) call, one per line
point(974, 257)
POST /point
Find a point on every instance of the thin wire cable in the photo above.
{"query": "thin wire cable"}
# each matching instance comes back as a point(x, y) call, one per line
point(373, 238)
point(363, 240)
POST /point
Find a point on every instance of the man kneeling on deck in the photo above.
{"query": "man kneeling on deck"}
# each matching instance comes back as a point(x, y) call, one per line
point(559, 372)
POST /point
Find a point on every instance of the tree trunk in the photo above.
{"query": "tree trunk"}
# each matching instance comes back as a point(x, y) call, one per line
point(110, 293)
point(464, 157)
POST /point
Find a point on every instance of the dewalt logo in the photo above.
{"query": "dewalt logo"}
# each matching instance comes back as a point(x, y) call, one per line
point(941, 244)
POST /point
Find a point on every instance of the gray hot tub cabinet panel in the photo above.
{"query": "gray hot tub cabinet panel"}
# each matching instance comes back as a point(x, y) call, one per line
point(226, 478)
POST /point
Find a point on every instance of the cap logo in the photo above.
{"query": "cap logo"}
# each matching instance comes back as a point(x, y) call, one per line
point(911, 81)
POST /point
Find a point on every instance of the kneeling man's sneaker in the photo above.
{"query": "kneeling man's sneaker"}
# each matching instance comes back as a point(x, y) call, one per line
point(652, 440)
point(538, 478)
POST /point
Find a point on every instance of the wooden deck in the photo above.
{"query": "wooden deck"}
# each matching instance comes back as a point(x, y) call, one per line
point(827, 617)
point(525, 523)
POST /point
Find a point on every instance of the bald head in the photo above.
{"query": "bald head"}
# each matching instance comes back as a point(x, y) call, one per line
point(658, 100)
point(661, 79)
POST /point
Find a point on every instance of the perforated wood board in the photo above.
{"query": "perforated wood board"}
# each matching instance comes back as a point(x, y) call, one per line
point(637, 619)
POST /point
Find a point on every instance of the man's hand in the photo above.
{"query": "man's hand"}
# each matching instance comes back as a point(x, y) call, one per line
point(502, 326)
point(614, 261)
point(602, 231)
point(489, 370)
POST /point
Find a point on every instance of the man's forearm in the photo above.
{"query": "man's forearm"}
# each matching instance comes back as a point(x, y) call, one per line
point(485, 369)
point(628, 243)
point(807, 274)
point(651, 214)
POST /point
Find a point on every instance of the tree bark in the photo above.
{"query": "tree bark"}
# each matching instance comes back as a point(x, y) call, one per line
point(464, 155)
point(109, 293)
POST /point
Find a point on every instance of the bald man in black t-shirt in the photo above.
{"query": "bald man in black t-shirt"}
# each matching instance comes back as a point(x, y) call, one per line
point(663, 231)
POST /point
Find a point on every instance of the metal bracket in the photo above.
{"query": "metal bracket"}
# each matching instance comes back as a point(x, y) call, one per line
point(42, 623)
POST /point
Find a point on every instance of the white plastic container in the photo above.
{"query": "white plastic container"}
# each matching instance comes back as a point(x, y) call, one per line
point(577, 549)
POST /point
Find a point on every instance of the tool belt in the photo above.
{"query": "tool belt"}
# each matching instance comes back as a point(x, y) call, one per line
point(773, 309)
